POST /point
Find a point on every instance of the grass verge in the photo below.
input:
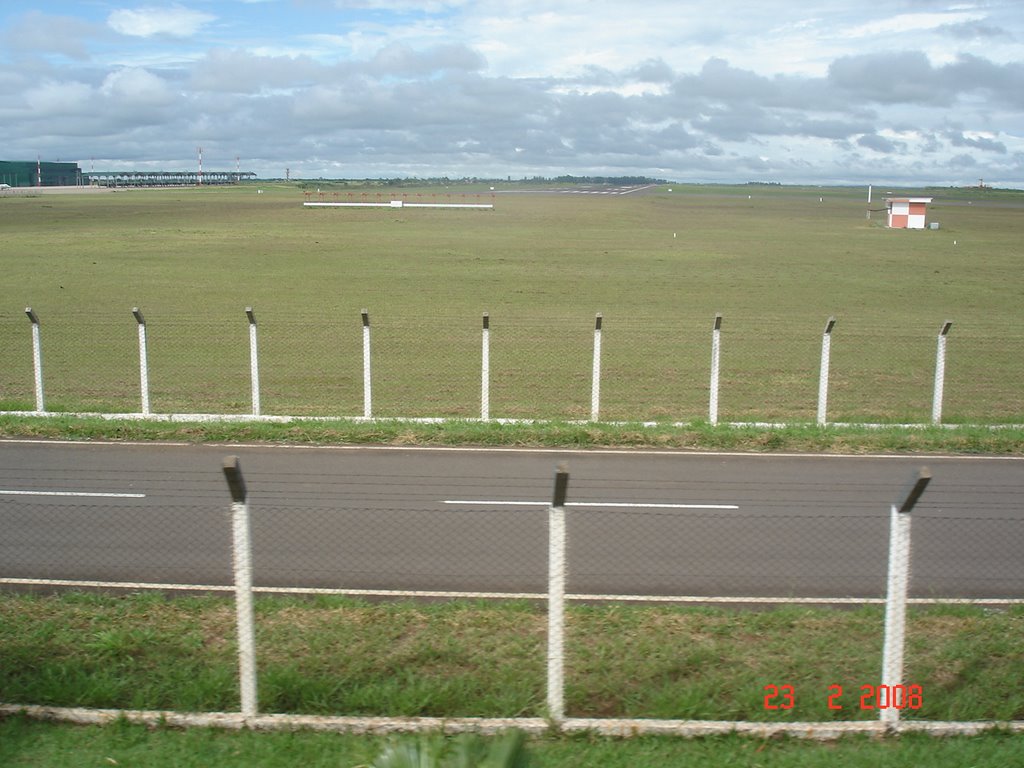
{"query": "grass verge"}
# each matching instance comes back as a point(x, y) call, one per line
point(334, 656)
point(26, 743)
point(693, 436)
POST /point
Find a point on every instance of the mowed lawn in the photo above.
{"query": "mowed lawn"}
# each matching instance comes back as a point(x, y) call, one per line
point(657, 264)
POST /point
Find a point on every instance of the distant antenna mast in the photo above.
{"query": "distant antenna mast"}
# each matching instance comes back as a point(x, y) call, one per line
point(39, 171)
point(200, 166)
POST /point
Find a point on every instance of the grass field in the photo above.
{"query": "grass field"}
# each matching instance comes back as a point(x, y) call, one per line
point(658, 265)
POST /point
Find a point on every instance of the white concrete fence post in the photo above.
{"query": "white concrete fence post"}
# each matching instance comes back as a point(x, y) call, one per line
point(595, 383)
point(485, 370)
point(940, 373)
point(556, 598)
point(254, 361)
point(242, 559)
point(37, 359)
point(143, 360)
point(896, 597)
point(826, 356)
point(367, 385)
point(716, 356)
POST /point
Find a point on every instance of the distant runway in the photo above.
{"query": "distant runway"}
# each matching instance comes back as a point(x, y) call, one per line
point(378, 520)
point(583, 189)
point(68, 190)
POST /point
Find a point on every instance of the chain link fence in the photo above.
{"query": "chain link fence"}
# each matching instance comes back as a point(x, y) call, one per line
point(553, 366)
point(113, 540)
point(581, 552)
point(613, 551)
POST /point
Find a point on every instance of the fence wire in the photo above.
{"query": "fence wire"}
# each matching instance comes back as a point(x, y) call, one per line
point(392, 549)
point(726, 554)
point(113, 541)
point(685, 662)
point(974, 557)
point(474, 550)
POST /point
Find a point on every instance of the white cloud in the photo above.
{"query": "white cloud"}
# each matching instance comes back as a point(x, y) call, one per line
point(432, 6)
point(136, 86)
point(176, 21)
point(53, 99)
point(38, 32)
point(911, 22)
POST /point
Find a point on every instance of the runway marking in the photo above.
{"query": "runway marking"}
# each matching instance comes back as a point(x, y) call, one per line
point(591, 504)
point(638, 189)
point(75, 494)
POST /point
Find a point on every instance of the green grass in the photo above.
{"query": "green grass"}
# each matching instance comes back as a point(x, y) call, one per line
point(330, 655)
point(333, 656)
point(695, 436)
point(657, 266)
point(25, 743)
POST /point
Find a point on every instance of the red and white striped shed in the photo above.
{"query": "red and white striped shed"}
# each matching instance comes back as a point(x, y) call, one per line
point(907, 212)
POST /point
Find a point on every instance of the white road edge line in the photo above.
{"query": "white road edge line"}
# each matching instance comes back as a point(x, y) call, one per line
point(74, 493)
point(591, 504)
point(508, 595)
point(677, 453)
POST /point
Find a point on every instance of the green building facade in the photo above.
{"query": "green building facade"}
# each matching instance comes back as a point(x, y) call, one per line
point(16, 173)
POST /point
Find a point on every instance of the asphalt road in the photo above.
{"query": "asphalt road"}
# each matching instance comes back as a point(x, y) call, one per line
point(639, 523)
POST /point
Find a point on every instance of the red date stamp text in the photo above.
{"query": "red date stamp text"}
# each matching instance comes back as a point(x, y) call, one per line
point(783, 697)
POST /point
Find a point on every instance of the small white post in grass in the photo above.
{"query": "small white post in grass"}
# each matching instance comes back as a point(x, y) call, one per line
point(485, 370)
point(826, 355)
point(896, 597)
point(254, 361)
point(556, 597)
point(595, 384)
point(940, 373)
point(143, 360)
point(243, 586)
point(367, 392)
point(716, 354)
point(37, 359)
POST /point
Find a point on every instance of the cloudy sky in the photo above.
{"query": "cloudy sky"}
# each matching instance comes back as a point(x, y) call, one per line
point(833, 91)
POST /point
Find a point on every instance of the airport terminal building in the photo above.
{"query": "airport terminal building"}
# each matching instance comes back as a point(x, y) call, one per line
point(15, 173)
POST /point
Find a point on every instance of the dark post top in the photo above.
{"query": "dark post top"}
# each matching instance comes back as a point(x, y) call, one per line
point(233, 474)
point(913, 492)
point(561, 486)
